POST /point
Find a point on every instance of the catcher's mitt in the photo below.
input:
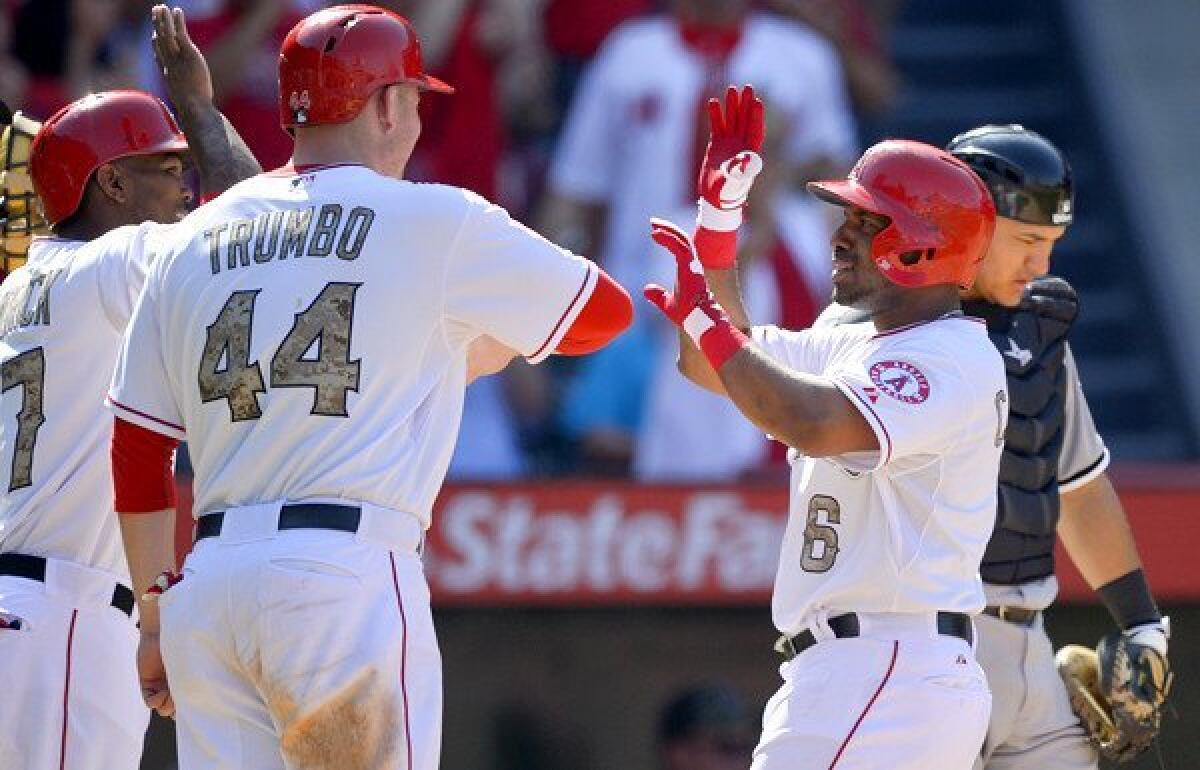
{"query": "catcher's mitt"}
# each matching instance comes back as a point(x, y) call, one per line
point(21, 214)
point(1117, 691)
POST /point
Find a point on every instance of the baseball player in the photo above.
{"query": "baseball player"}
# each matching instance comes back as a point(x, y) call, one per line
point(307, 333)
point(894, 429)
point(1052, 474)
point(1052, 483)
point(108, 169)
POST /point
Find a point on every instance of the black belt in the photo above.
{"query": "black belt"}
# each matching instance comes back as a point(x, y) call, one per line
point(845, 626)
point(1019, 615)
point(34, 568)
point(343, 518)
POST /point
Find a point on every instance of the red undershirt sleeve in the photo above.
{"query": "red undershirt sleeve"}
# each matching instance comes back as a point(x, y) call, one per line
point(143, 481)
point(608, 312)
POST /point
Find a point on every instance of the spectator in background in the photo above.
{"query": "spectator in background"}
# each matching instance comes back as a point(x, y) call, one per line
point(68, 49)
point(632, 141)
point(707, 727)
point(13, 77)
point(856, 29)
point(493, 52)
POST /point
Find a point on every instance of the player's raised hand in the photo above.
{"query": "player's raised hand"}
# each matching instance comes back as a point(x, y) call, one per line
point(692, 306)
point(183, 66)
point(153, 676)
point(731, 160)
point(691, 288)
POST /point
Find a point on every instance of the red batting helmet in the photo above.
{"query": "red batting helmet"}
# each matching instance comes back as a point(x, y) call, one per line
point(942, 216)
point(86, 134)
point(334, 60)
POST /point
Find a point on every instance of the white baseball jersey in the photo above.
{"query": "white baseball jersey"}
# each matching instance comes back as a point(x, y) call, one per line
point(630, 134)
point(307, 332)
point(900, 530)
point(61, 319)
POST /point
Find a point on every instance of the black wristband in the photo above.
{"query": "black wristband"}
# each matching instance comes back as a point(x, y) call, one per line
point(1129, 601)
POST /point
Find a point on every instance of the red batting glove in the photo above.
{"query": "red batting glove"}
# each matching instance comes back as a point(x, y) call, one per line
point(692, 306)
point(731, 160)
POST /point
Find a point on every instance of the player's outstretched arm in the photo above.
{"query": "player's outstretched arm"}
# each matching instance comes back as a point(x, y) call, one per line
point(221, 157)
point(807, 413)
point(731, 163)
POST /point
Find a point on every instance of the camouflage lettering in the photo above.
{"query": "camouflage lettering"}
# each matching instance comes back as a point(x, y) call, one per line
point(213, 236)
point(264, 244)
point(358, 226)
point(239, 243)
point(326, 322)
point(321, 243)
point(295, 232)
point(239, 382)
point(29, 371)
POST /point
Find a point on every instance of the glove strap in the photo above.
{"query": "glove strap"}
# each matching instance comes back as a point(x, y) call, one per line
point(710, 217)
point(717, 338)
point(717, 249)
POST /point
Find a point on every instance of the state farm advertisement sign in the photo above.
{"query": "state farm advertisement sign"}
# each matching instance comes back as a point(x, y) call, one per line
point(578, 544)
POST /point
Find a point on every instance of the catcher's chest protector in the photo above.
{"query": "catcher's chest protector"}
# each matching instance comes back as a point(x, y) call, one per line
point(1032, 340)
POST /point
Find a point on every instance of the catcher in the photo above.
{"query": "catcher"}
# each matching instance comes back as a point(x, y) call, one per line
point(21, 215)
point(1052, 485)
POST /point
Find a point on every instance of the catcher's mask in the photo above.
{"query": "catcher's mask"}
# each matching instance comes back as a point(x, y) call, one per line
point(21, 213)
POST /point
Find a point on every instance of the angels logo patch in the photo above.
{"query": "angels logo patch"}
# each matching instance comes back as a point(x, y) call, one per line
point(900, 380)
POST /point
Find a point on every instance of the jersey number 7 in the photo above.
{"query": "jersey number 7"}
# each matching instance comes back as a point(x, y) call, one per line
point(227, 373)
point(29, 371)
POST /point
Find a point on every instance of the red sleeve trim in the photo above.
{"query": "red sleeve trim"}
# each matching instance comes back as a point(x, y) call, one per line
point(143, 481)
point(608, 312)
point(554, 333)
point(150, 417)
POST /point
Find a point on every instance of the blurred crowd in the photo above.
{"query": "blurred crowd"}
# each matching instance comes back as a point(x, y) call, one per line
point(584, 118)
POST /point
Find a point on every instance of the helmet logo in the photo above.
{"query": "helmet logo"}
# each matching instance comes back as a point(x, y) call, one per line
point(1063, 215)
point(300, 104)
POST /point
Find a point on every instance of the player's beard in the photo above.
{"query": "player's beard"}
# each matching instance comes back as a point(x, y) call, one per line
point(861, 286)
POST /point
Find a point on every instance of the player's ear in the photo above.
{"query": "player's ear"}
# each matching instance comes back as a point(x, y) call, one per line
point(111, 183)
point(386, 108)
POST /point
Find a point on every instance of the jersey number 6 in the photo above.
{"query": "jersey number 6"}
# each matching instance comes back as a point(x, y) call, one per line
point(823, 534)
point(226, 371)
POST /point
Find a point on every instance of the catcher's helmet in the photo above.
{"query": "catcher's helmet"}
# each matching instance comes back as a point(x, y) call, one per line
point(86, 134)
point(335, 59)
point(941, 216)
point(1028, 176)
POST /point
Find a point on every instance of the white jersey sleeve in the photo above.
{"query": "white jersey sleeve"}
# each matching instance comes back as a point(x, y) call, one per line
point(120, 280)
point(508, 282)
point(140, 391)
point(911, 396)
point(808, 350)
point(1084, 455)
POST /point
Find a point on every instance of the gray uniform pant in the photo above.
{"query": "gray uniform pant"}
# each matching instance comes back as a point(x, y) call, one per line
point(1032, 726)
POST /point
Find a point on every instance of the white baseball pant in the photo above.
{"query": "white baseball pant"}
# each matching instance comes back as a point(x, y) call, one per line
point(305, 648)
point(899, 696)
point(71, 696)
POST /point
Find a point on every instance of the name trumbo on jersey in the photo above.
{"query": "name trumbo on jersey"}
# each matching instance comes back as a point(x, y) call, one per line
point(276, 235)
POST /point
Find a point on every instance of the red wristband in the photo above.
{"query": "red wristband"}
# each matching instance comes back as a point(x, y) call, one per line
point(716, 249)
point(720, 343)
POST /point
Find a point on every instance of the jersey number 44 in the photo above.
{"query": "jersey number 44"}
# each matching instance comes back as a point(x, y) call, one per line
point(226, 371)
